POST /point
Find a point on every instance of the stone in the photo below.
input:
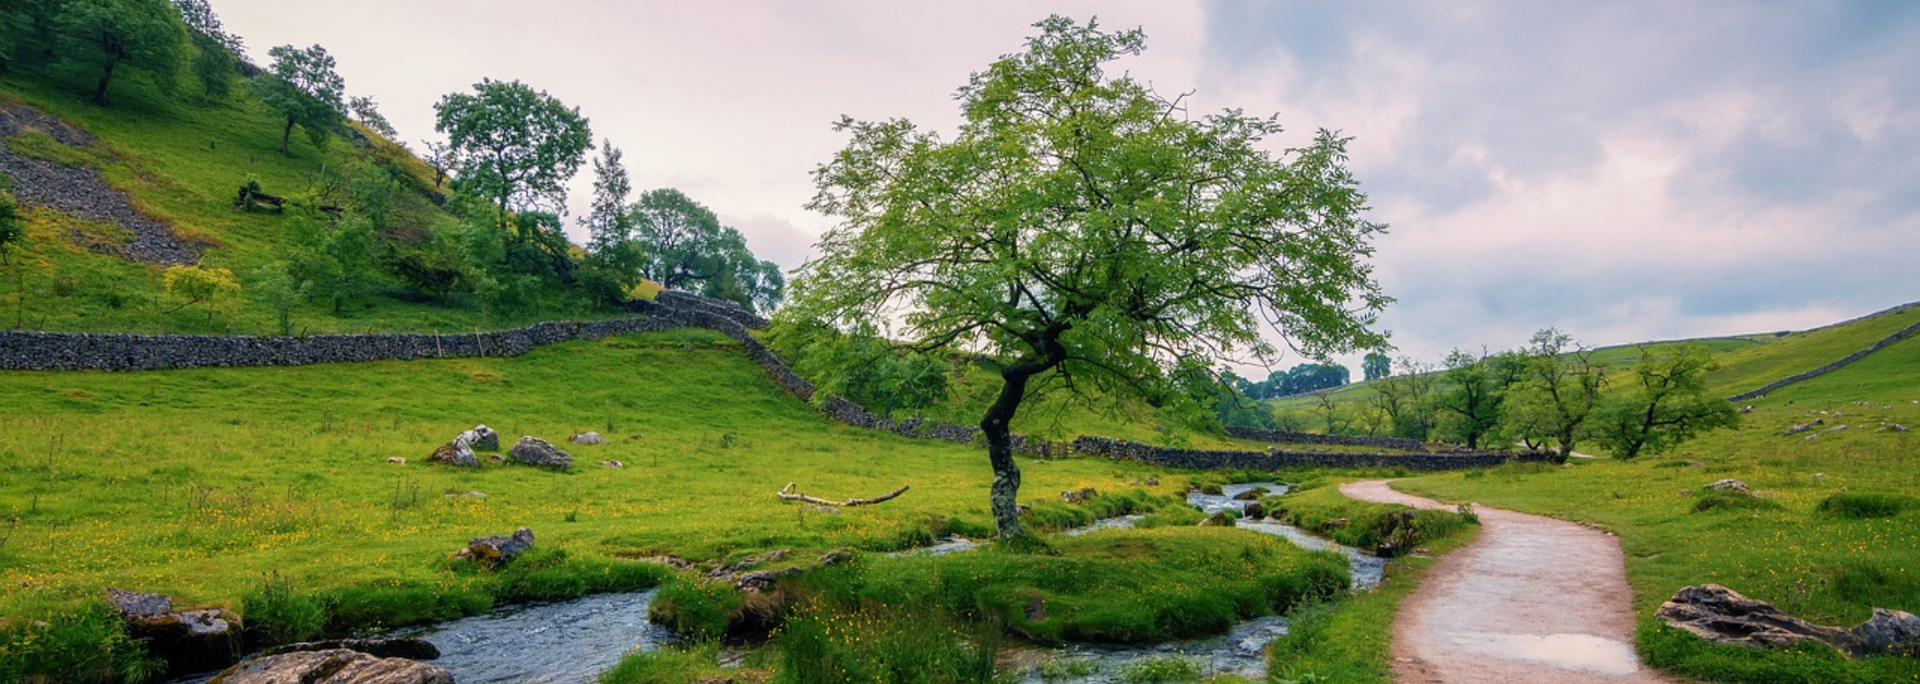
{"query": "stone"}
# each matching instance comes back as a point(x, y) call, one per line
point(1220, 519)
point(190, 641)
point(1746, 409)
point(466, 495)
point(1153, 481)
point(1838, 428)
point(1888, 632)
point(136, 605)
point(397, 460)
point(333, 666)
point(386, 647)
point(1079, 495)
point(613, 464)
point(763, 580)
point(1799, 428)
point(1723, 616)
point(480, 437)
point(1251, 494)
point(836, 556)
point(1730, 485)
point(1255, 510)
point(587, 438)
point(494, 551)
point(1896, 427)
point(534, 451)
point(455, 453)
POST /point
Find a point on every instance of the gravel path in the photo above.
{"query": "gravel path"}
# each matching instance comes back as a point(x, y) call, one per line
point(1533, 601)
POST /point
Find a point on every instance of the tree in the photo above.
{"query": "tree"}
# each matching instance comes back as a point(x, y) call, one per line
point(1667, 404)
point(1310, 377)
point(1472, 400)
point(273, 286)
point(367, 112)
point(199, 285)
point(1376, 366)
point(146, 35)
point(303, 87)
point(214, 49)
point(513, 145)
point(616, 258)
point(10, 230)
point(682, 244)
point(1557, 390)
point(1080, 231)
point(439, 156)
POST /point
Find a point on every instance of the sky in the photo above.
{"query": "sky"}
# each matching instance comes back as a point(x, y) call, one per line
point(1622, 171)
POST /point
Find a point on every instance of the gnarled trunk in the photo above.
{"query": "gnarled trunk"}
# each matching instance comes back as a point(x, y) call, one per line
point(1006, 474)
point(100, 93)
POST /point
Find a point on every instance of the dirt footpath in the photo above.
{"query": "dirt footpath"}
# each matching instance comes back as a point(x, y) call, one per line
point(1532, 601)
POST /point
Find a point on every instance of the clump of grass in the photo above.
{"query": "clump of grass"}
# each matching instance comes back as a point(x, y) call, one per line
point(276, 612)
point(1680, 652)
point(1720, 499)
point(1367, 525)
point(697, 662)
point(1866, 505)
point(1160, 670)
point(699, 609)
point(830, 644)
point(85, 646)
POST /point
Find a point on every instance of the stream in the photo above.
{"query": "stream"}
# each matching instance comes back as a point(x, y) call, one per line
point(572, 642)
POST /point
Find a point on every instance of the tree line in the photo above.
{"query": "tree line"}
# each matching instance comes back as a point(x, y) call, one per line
point(509, 150)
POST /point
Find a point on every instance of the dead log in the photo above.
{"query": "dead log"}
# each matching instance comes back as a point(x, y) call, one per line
point(788, 494)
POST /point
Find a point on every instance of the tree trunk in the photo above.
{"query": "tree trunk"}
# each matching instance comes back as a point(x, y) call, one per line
point(100, 93)
point(286, 134)
point(1006, 474)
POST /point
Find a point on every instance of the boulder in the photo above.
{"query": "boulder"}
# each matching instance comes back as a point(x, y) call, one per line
point(480, 437)
point(1079, 495)
point(1220, 519)
point(455, 453)
point(1255, 510)
point(836, 556)
point(386, 647)
point(1251, 494)
point(534, 451)
point(334, 666)
point(1730, 485)
point(1888, 632)
point(587, 438)
point(1723, 616)
point(1799, 428)
point(613, 464)
point(493, 551)
point(190, 641)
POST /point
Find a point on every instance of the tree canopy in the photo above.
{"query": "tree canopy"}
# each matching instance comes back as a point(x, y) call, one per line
point(142, 34)
point(512, 144)
point(303, 87)
point(1081, 227)
point(682, 245)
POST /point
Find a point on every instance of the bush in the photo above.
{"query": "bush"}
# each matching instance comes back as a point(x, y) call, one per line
point(86, 646)
point(1864, 505)
point(695, 608)
point(1716, 499)
point(278, 614)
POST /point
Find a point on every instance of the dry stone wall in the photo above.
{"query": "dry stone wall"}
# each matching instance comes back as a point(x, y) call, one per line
point(1203, 459)
point(1904, 333)
point(1282, 437)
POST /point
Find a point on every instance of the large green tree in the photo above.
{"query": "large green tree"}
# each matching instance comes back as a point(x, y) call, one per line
point(1665, 403)
point(513, 145)
point(1084, 228)
point(146, 35)
point(1558, 388)
point(303, 87)
point(1471, 403)
point(682, 245)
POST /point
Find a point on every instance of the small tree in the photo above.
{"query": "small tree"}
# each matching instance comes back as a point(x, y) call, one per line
point(303, 87)
point(146, 35)
point(681, 245)
point(1472, 399)
point(367, 112)
point(1667, 403)
point(513, 145)
point(11, 231)
point(1080, 228)
point(273, 286)
point(215, 50)
point(198, 285)
point(1376, 366)
point(616, 258)
point(1557, 390)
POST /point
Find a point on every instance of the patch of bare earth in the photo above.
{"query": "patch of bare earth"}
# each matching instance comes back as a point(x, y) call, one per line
point(1533, 600)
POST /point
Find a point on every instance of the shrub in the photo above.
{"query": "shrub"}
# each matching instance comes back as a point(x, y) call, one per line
point(277, 613)
point(1715, 499)
point(1864, 505)
point(86, 646)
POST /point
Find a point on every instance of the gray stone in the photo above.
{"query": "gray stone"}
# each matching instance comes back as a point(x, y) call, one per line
point(1730, 485)
point(386, 647)
point(455, 453)
point(190, 641)
point(1723, 616)
point(1255, 510)
point(1079, 495)
point(480, 437)
point(587, 438)
point(538, 452)
point(136, 605)
point(1799, 428)
point(335, 666)
point(496, 550)
point(1888, 632)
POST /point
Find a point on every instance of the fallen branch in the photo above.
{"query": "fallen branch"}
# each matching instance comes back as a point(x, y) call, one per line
point(788, 494)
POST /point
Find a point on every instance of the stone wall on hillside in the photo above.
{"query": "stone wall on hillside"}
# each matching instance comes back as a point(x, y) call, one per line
point(1904, 333)
point(1283, 437)
point(1204, 459)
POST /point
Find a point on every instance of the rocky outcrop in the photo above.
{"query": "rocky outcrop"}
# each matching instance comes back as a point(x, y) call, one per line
point(1723, 616)
point(480, 437)
point(497, 550)
point(79, 191)
point(455, 453)
point(389, 647)
point(334, 666)
point(587, 438)
point(190, 641)
point(534, 451)
point(1730, 486)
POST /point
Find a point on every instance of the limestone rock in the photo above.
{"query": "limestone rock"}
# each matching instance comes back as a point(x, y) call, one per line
point(335, 666)
point(1220, 519)
point(539, 452)
point(135, 605)
point(1730, 485)
point(397, 460)
point(1079, 495)
point(587, 438)
point(190, 641)
point(493, 551)
point(1251, 494)
point(1255, 510)
point(613, 464)
point(385, 647)
point(455, 453)
point(836, 556)
point(480, 437)
point(1723, 616)
point(1888, 632)
point(1799, 428)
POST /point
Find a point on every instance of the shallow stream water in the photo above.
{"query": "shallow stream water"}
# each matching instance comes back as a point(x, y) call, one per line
point(572, 642)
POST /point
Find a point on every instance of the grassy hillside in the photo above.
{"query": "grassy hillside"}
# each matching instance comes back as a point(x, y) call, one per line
point(1834, 529)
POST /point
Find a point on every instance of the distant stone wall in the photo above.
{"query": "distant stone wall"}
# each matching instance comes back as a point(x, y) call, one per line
point(1202, 459)
point(1282, 437)
point(1904, 333)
